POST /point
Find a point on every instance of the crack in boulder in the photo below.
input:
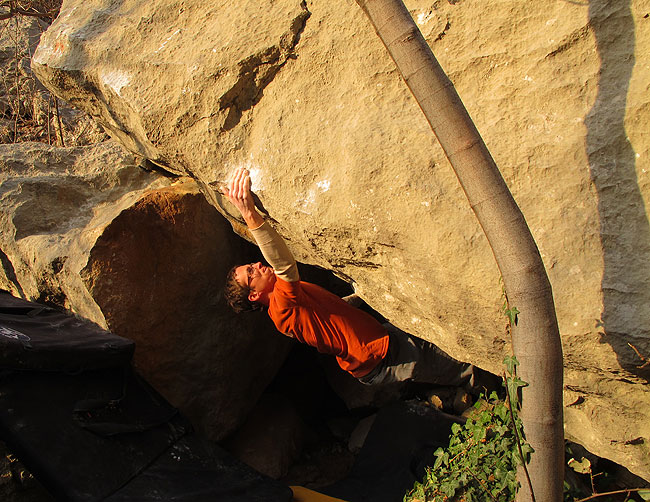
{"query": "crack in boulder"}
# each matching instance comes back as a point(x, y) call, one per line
point(259, 70)
point(10, 273)
point(576, 37)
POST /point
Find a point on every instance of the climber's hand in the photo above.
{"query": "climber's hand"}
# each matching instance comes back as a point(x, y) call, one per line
point(239, 194)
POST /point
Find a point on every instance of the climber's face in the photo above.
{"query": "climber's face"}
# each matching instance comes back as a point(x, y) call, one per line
point(258, 278)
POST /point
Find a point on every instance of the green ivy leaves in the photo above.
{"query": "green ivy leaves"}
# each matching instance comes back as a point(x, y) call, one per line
point(481, 460)
point(511, 314)
point(582, 467)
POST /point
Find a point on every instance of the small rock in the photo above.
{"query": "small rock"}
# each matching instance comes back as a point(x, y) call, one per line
point(341, 427)
point(462, 401)
point(435, 400)
point(272, 437)
point(360, 432)
point(16, 483)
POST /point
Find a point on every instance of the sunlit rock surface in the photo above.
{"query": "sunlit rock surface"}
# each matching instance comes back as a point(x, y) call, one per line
point(87, 229)
point(345, 164)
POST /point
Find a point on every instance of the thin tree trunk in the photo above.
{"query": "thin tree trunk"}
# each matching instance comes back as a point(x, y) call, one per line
point(58, 119)
point(535, 338)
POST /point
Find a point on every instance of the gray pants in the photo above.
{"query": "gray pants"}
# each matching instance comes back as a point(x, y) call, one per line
point(413, 359)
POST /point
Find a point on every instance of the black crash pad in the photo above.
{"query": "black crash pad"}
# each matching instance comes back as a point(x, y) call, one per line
point(89, 428)
point(71, 452)
point(193, 470)
point(36, 337)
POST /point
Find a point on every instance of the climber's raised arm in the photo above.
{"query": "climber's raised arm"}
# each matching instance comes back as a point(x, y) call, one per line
point(273, 247)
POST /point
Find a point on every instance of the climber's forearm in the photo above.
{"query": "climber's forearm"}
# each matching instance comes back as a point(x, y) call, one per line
point(276, 252)
point(252, 218)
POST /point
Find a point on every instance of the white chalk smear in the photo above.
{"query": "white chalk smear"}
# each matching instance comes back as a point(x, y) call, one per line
point(424, 18)
point(254, 171)
point(308, 201)
point(305, 203)
point(324, 185)
point(162, 46)
point(115, 79)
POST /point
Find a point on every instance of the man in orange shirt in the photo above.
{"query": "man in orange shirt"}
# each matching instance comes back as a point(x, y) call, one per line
point(362, 346)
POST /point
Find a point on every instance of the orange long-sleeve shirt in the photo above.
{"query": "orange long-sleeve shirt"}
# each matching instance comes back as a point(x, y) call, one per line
point(314, 316)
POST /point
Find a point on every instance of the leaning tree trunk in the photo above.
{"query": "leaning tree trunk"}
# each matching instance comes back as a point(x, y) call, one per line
point(535, 337)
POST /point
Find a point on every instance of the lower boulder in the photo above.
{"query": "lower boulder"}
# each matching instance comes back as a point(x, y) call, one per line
point(205, 359)
point(87, 229)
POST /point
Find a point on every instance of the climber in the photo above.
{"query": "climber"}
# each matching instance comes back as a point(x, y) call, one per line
point(371, 352)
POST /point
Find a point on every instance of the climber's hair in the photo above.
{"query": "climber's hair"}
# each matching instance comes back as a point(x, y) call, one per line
point(237, 295)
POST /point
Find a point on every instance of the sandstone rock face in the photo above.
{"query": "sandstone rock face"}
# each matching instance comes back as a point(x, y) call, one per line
point(86, 229)
point(55, 204)
point(345, 164)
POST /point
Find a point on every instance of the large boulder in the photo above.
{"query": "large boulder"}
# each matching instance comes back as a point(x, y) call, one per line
point(305, 95)
point(55, 203)
point(87, 229)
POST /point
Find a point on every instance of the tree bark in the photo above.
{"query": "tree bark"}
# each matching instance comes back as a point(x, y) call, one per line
point(535, 337)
